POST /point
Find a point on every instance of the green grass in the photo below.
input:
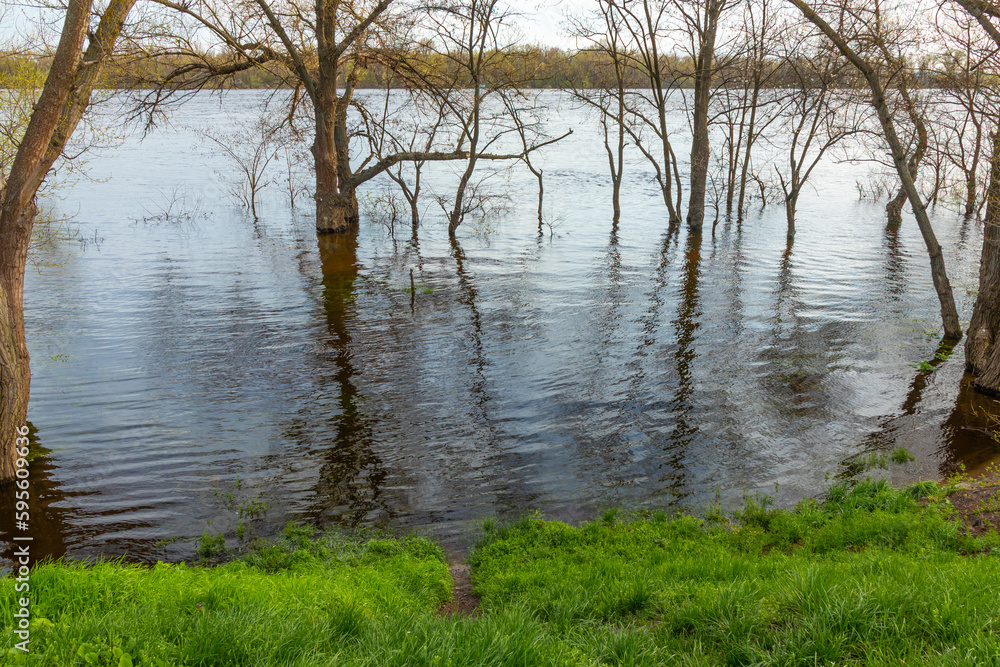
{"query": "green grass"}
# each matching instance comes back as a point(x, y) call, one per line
point(870, 575)
point(867, 577)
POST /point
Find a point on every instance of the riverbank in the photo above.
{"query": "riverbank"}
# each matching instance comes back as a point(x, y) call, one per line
point(869, 575)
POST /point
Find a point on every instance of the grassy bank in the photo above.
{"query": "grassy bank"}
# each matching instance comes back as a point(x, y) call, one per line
point(871, 575)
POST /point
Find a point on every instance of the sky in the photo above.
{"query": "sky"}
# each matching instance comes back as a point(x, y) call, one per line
point(542, 19)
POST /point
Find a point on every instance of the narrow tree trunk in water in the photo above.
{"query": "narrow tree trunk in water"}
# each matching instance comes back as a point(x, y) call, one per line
point(750, 141)
point(982, 348)
point(457, 215)
point(894, 209)
point(616, 188)
point(541, 195)
point(414, 216)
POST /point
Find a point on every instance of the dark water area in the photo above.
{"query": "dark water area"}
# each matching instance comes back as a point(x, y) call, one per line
point(186, 369)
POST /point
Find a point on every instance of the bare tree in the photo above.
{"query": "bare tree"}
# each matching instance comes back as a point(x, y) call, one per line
point(473, 38)
point(528, 119)
point(894, 40)
point(644, 27)
point(969, 99)
point(318, 50)
point(249, 152)
point(760, 33)
point(601, 34)
point(901, 159)
point(411, 125)
point(816, 114)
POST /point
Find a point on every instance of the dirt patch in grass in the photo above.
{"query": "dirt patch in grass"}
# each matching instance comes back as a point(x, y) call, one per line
point(463, 601)
point(978, 505)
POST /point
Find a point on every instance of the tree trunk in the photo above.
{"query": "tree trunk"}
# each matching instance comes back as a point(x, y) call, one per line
point(970, 192)
point(336, 213)
point(336, 203)
point(790, 203)
point(414, 216)
point(982, 348)
point(52, 121)
point(894, 209)
point(699, 127)
point(750, 141)
point(15, 367)
point(541, 195)
point(457, 214)
point(616, 188)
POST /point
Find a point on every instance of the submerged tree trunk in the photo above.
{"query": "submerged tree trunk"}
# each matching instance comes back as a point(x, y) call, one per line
point(615, 159)
point(336, 213)
point(894, 209)
point(336, 202)
point(740, 203)
point(457, 215)
point(982, 348)
point(541, 196)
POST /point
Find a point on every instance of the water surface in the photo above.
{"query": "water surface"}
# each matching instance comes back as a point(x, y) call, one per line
point(183, 368)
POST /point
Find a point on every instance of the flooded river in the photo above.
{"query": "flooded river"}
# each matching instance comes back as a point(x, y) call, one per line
point(198, 370)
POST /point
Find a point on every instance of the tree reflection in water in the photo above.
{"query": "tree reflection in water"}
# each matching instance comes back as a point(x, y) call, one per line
point(352, 475)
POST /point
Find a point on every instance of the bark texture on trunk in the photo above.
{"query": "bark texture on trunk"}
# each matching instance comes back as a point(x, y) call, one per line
point(15, 367)
point(982, 348)
point(336, 212)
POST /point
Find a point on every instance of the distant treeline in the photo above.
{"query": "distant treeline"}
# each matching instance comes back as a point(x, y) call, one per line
point(535, 67)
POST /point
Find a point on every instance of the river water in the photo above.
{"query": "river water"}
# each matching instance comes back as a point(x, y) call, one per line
point(189, 367)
